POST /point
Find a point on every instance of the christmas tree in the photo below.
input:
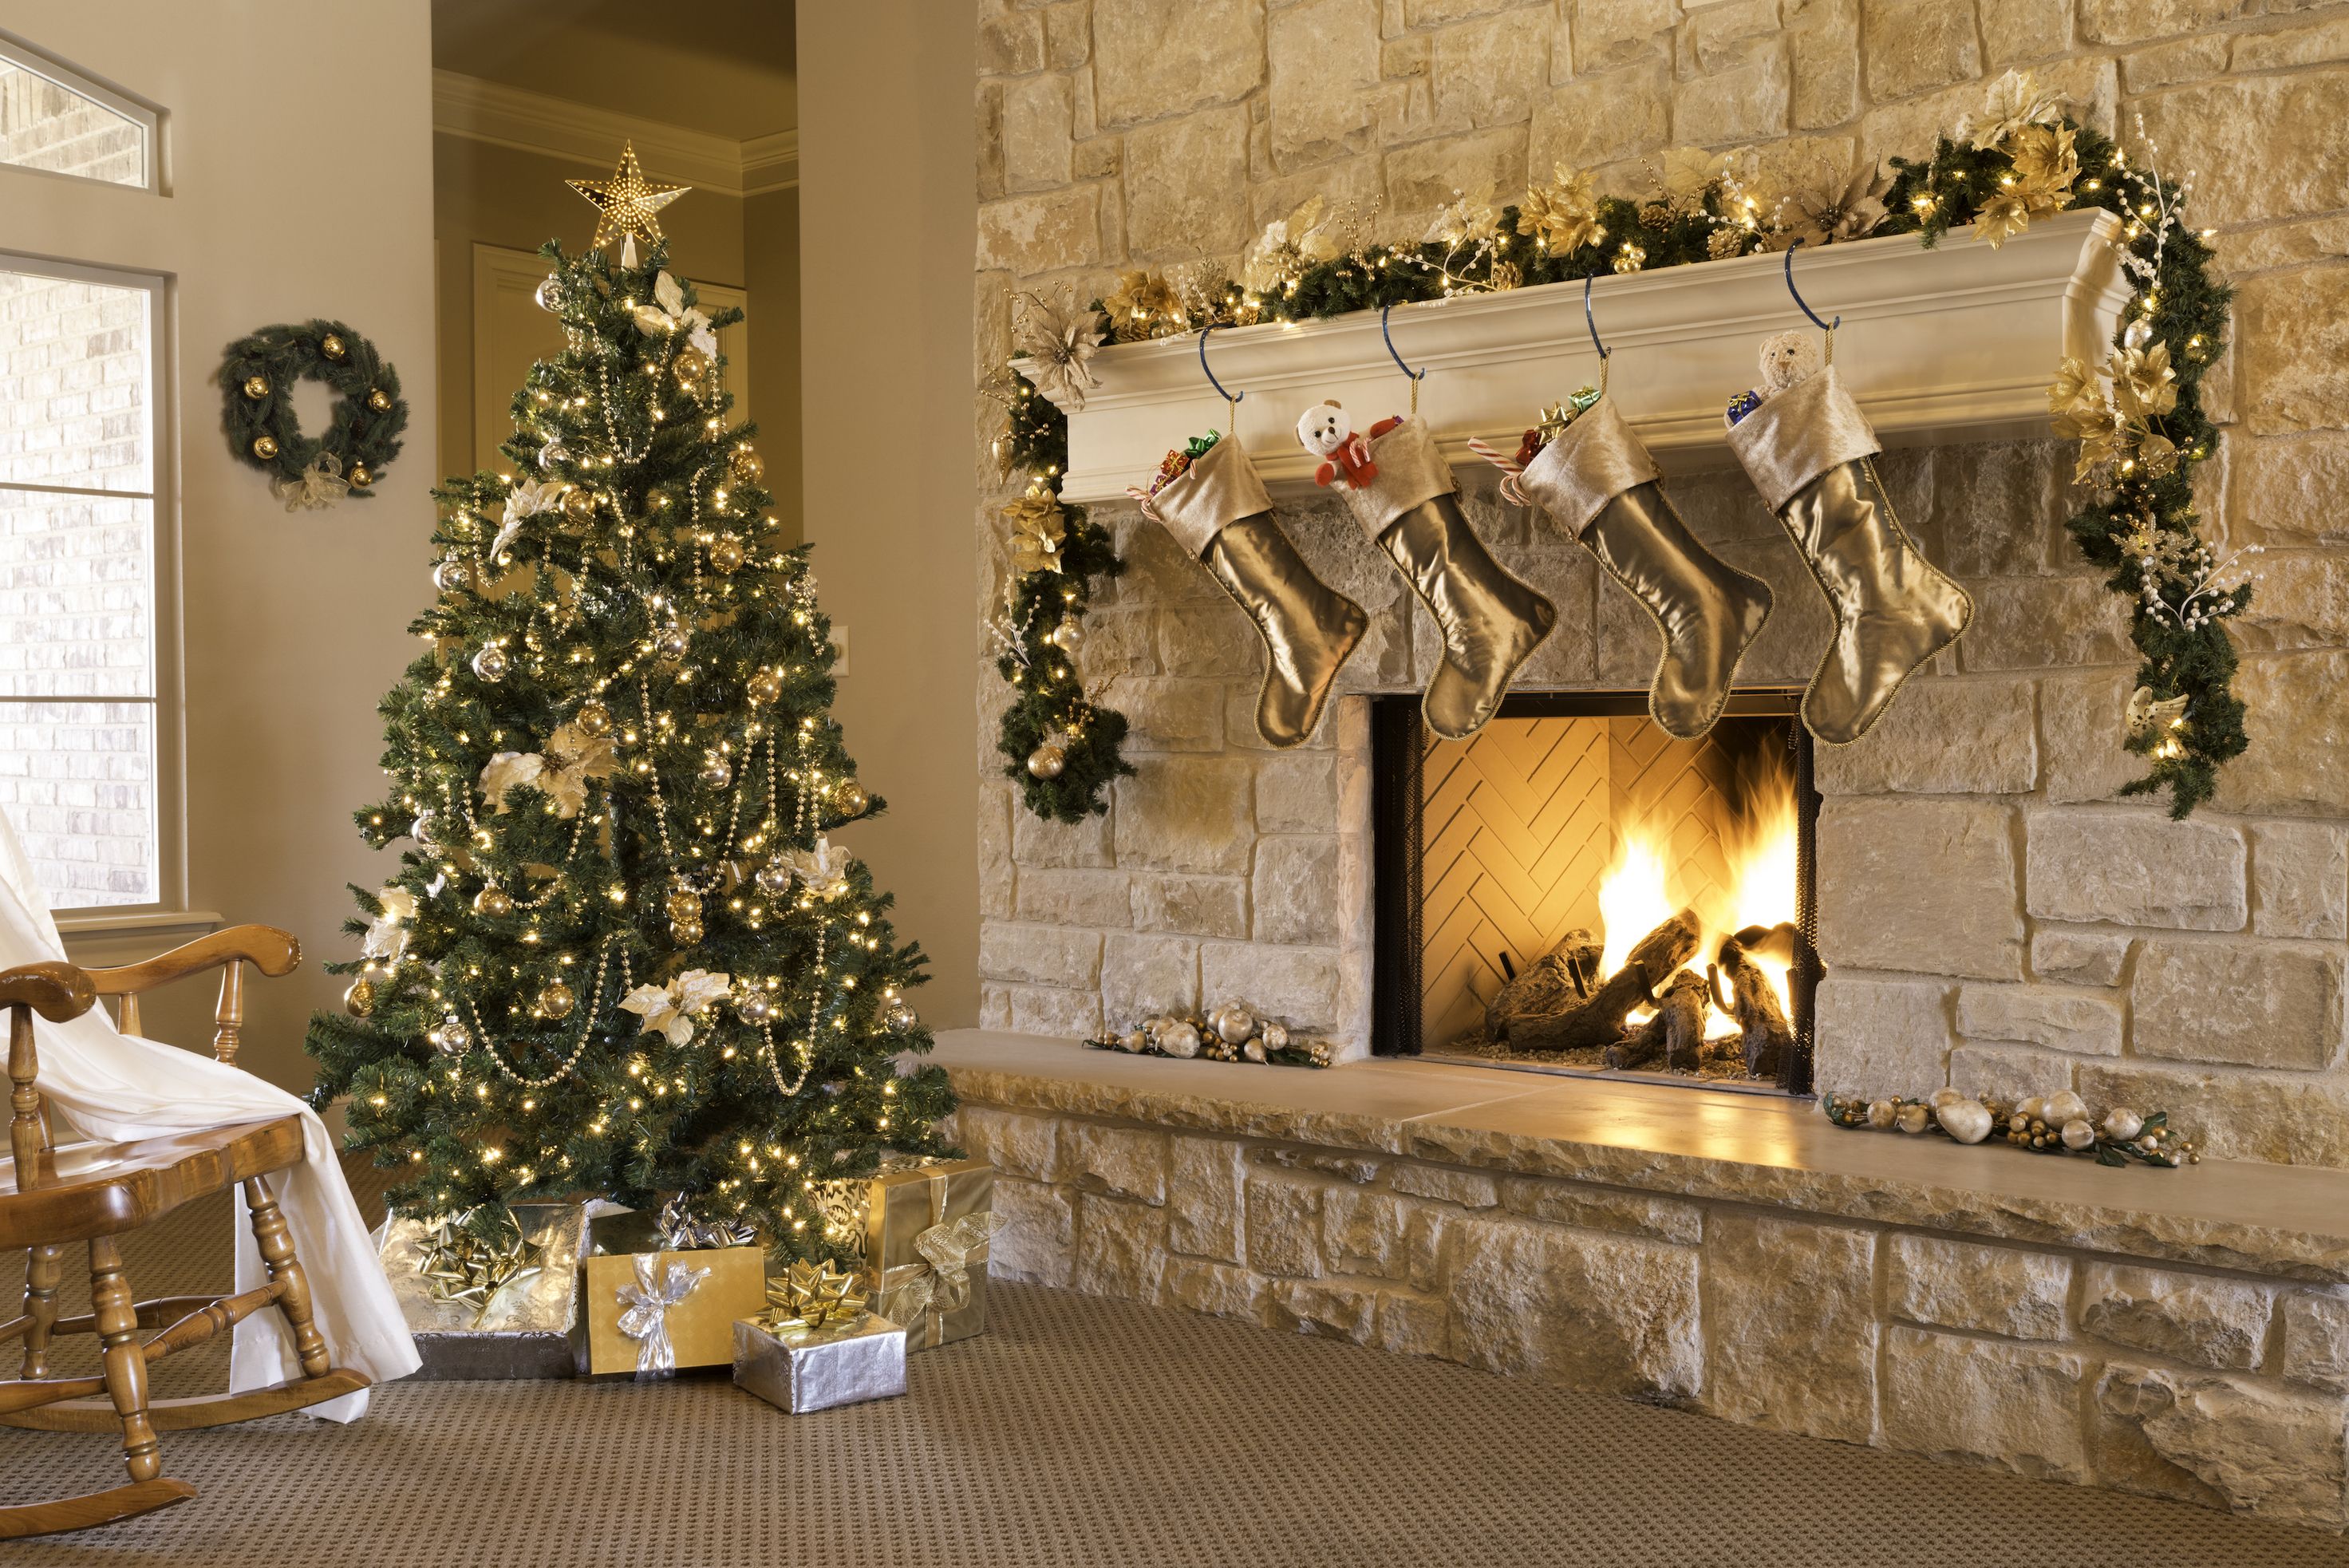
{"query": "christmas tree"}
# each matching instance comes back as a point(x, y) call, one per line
point(620, 957)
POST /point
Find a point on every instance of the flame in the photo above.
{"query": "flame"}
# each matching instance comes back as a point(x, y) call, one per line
point(1633, 900)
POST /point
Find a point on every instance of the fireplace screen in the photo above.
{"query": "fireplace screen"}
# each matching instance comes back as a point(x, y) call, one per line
point(1575, 890)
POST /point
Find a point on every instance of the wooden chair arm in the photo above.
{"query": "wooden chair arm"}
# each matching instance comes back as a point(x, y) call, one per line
point(274, 952)
point(56, 991)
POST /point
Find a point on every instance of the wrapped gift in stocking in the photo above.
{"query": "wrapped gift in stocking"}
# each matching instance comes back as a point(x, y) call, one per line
point(1810, 451)
point(1599, 482)
point(1210, 499)
point(1400, 490)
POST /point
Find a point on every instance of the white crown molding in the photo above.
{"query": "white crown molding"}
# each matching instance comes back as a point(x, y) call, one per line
point(1953, 344)
point(503, 116)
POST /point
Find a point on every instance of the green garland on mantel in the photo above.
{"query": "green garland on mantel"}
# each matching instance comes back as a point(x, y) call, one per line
point(2138, 441)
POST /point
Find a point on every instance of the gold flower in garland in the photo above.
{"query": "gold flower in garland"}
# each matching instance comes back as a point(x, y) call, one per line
point(1287, 248)
point(2046, 164)
point(1037, 531)
point(2120, 430)
point(2015, 103)
point(1563, 215)
point(1145, 306)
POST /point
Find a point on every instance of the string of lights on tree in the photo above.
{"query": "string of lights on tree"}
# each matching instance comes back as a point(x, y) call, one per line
point(2138, 418)
point(620, 954)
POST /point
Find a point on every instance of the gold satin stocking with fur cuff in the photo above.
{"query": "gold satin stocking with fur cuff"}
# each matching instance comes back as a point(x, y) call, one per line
point(1600, 482)
point(1491, 621)
point(1810, 451)
point(1218, 510)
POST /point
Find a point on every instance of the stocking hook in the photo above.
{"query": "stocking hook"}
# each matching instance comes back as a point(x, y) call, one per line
point(1605, 353)
point(1416, 377)
point(1826, 327)
point(1230, 398)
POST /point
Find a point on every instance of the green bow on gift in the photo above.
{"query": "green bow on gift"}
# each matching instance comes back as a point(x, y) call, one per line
point(936, 1287)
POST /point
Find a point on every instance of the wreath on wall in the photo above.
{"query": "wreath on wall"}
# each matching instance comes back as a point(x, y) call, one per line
point(362, 435)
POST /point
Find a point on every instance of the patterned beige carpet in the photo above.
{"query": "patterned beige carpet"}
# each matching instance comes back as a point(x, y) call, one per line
point(1074, 1432)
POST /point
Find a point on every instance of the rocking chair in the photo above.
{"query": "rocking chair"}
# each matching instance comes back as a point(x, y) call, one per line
point(94, 1192)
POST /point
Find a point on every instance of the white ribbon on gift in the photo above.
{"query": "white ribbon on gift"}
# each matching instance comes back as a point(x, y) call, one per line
point(649, 1303)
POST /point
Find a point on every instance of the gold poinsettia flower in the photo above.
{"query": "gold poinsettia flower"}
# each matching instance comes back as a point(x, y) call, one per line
point(2044, 158)
point(2013, 102)
point(2075, 385)
point(1563, 215)
point(1145, 306)
point(2155, 454)
point(1037, 531)
point(2144, 386)
point(2003, 216)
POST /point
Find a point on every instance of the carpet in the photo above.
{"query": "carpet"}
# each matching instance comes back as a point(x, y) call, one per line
point(1074, 1432)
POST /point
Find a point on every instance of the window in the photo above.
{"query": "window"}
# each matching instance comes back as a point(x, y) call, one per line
point(81, 751)
point(53, 119)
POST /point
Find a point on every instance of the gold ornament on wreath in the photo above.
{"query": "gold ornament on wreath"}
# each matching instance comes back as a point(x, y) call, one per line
point(257, 375)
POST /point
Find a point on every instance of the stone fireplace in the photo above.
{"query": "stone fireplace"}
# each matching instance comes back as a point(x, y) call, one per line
point(1523, 875)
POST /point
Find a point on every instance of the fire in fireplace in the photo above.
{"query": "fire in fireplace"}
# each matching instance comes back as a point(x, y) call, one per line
point(1573, 890)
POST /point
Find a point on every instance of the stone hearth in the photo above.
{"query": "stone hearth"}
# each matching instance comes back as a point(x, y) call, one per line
point(2179, 1334)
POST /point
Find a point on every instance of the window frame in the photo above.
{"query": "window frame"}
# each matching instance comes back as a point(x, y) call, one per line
point(169, 905)
point(23, 56)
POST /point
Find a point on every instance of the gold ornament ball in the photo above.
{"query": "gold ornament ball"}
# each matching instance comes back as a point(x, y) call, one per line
point(578, 506)
point(555, 1001)
point(685, 933)
point(849, 799)
point(725, 556)
point(494, 903)
point(333, 348)
point(359, 1000)
point(692, 364)
point(764, 687)
point(361, 476)
point(593, 718)
point(684, 905)
point(674, 643)
point(747, 465)
point(1069, 637)
point(1047, 760)
point(716, 771)
point(379, 400)
point(264, 447)
point(256, 387)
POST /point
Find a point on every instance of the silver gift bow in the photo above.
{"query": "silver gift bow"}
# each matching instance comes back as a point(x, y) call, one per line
point(929, 1290)
point(321, 484)
point(682, 1230)
point(647, 1319)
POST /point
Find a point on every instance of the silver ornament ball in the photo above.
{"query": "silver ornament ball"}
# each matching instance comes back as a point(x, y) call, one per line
point(2137, 333)
point(491, 663)
point(674, 643)
point(454, 575)
point(1069, 637)
point(774, 879)
point(897, 1017)
point(550, 294)
point(754, 1008)
point(716, 771)
point(451, 1038)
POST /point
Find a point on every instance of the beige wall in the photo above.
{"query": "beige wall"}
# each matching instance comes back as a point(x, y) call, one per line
point(297, 189)
point(886, 195)
point(2064, 935)
point(771, 272)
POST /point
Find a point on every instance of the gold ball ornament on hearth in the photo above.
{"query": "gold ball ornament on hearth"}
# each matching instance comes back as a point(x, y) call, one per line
point(494, 903)
point(256, 387)
point(746, 466)
point(360, 476)
point(578, 506)
point(359, 1000)
point(849, 799)
point(264, 447)
point(725, 556)
point(593, 718)
point(764, 687)
point(555, 1000)
point(379, 400)
point(334, 348)
point(1047, 760)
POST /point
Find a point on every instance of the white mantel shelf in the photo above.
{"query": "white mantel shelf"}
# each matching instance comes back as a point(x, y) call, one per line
point(1953, 344)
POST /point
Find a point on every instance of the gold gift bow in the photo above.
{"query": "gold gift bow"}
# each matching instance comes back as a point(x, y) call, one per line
point(319, 485)
point(457, 1265)
point(941, 1283)
point(647, 1319)
point(811, 1297)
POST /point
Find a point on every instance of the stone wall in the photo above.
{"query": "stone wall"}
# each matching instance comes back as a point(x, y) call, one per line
point(2222, 1389)
point(1993, 914)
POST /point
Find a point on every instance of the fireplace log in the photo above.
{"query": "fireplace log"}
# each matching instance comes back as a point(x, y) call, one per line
point(1560, 978)
point(1764, 1033)
point(1675, 1035)
point(1599, 1021)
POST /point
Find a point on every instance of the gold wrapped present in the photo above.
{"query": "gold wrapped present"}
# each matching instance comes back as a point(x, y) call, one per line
point(926, 1230)
point(799, 1367)
point(648, 1309)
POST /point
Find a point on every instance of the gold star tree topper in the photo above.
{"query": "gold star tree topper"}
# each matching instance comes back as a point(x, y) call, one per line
point(624, 204)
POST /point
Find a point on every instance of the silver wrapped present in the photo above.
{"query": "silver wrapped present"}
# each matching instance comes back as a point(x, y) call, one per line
point(799, 1369)
point(518, 1328)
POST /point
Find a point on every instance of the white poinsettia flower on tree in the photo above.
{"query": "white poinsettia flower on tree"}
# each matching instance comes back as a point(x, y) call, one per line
point(571, 757)
point(527, 499)
point(669, 313)
point(387, 935)
point(507, 769)
point(669, 1010)
point(824, 868)
point(2014, 101)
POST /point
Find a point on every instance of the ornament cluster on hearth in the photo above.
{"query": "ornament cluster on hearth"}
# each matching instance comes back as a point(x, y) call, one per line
point(1229, 1033)
point(2060, 1123)
point(2017, 162)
